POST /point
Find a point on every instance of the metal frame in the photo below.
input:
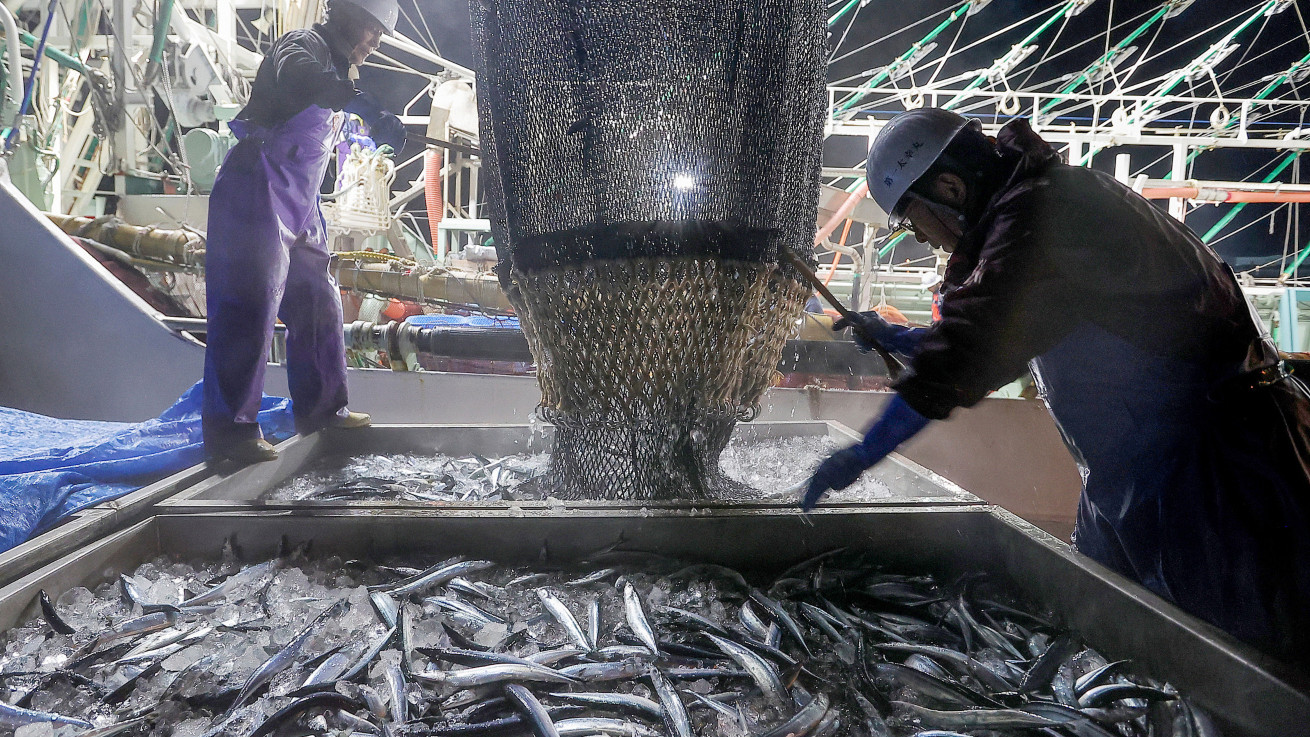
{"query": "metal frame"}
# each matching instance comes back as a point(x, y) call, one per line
point(1248, 693)
point(242, 488)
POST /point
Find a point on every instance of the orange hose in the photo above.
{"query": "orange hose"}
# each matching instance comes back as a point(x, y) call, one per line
point(836, 256)
point(432, 191)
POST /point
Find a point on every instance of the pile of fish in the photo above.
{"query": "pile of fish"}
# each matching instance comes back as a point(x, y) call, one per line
point(629, 644)
point(775, 468)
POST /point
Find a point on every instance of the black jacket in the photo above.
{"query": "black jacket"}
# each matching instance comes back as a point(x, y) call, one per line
point(1057, 245)
point(305, 67)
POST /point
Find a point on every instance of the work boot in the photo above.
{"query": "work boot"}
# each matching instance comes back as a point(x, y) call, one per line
point(254, 450)
point(353, 420)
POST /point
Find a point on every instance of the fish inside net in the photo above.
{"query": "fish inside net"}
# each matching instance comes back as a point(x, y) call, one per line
point(646, 165)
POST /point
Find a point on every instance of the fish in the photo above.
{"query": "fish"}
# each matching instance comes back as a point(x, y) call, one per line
point(593, 623)
point(133, 628)
point(16, 716)
point(436, 576)
point(385, 606)
point(781, 616)
point(474, 613)
point(286, 714)
point(598, 672)
point(587, 726)
point(676, 719)
point(760, 671)
point(484, 675)
point(614, 700)
point(637, 619)
point(534, 713)
point(284, 657)
point(565, 618)
point(1109, 693)
point(803, 721)
point(693, 620)
point(134, 595)
point(396, 692)
point(974, 719)
point(1096, 677)
point(52, 617)
point(254, 573)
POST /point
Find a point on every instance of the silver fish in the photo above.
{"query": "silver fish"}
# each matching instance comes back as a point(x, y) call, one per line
point(284, 657)
point(621, 701)
point(462, 607)
point(16, 716)
point(675, 713)
point(484, 675)
point(564, 617)
point(637, 619)
point(756, 626)
point(385, 606)
point(803, 721)
point(533, 711)
point(133, 628)
point(438, 576)
point(586, 726)
point(551, 657)
point(231, 583)
point(615, 671)
point(329, 670)
point(985, 719)
point(759, 669)
point(396, 688)
point(593, 623)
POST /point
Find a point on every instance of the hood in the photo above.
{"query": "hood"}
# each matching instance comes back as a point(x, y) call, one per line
point(1026, 155)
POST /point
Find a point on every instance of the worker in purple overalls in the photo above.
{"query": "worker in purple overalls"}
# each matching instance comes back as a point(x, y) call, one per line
point(267, 255)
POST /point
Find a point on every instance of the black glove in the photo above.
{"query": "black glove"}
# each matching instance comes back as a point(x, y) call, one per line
point(384, 128)
point(388, 131)
point(901, 339)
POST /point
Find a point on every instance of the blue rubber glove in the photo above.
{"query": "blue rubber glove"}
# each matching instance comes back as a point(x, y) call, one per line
point(901, 339)
point(898, 423)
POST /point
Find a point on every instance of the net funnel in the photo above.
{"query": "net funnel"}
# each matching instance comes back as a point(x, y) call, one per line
point(646, 164)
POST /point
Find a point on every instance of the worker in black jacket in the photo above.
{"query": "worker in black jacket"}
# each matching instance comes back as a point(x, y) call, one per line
point(267, 256)
point(1193, 442)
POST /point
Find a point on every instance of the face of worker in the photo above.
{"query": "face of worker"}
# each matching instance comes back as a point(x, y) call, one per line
point(367, 37)
point(936, 225)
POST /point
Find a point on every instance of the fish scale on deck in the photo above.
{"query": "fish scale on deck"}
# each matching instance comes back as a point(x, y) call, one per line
point(659, 648)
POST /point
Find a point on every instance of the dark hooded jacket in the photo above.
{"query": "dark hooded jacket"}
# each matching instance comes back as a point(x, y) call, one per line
point(1192, 443)
point(1056, 246)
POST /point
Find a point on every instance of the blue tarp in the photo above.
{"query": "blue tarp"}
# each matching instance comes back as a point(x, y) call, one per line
point(51, 468)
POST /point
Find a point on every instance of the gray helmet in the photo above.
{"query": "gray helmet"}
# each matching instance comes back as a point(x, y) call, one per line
point(383, 11)
point(906, 148)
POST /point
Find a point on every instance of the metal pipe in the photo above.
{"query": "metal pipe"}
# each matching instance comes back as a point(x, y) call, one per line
point(842, 213)
point(9, 106)
point(1219, 195)
point(1228, 218)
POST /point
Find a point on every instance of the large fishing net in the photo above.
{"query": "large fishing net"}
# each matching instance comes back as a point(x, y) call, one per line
point(647, 164)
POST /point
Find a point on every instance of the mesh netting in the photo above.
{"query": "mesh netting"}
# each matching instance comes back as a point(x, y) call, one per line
point(646, 164)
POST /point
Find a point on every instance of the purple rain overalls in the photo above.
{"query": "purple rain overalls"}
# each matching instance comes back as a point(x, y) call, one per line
point(267, 257)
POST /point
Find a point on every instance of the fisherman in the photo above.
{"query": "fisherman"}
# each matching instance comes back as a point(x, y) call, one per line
point(267, 256)
point(1192, 440)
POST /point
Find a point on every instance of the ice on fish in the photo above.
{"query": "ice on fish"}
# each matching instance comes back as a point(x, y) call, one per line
point(186, 692)
point(773, 467)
